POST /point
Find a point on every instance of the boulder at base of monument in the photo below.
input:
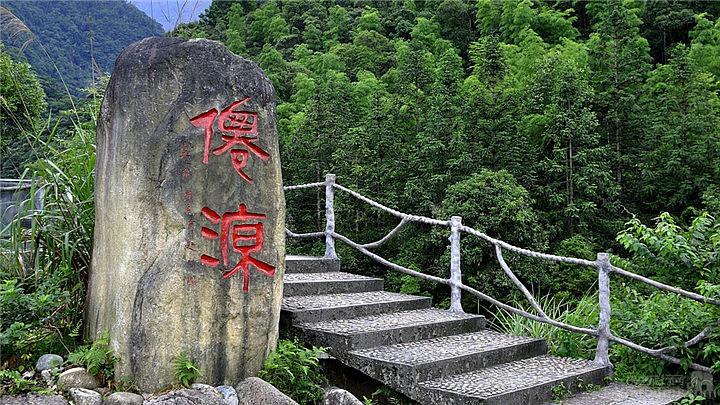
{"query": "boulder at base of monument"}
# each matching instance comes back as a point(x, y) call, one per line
point(190, 215)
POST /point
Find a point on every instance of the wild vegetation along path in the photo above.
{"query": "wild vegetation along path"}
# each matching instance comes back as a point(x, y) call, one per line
point(431, 355)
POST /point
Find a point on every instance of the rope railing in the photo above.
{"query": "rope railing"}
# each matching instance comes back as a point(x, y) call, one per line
point(602, 333)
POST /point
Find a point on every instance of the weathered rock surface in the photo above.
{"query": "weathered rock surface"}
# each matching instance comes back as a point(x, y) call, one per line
point(32, 399)
point(189, 396)
point(83, 396)
point(157, 278)
point(77, 377)
point(48, 361)
point(229, 394)
point(123, 398)
point(337, 396)
point(253, 390)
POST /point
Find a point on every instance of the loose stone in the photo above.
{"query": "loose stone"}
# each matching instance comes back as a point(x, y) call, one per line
point(77, 377)
point(124, 398)
point(48, 361)
point(253, 390)
point(83, 396)
point(337, 396)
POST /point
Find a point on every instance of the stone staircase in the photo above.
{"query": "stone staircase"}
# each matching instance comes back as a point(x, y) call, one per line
point(433, 356)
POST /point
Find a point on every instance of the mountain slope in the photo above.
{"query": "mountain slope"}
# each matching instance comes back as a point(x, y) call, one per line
point(79, 37)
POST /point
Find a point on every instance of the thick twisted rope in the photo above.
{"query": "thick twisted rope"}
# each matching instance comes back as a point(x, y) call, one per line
point(301, 186)
point(413, 218)
point(499, 245)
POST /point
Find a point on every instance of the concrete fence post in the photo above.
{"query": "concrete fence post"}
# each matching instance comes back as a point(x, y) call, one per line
point(455, 274)
point(330, 217)
point(601, 353)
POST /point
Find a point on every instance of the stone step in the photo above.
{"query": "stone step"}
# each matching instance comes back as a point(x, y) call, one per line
point(343, 335)
point(331, 282)
point(405, 364)
point(310, 264)
point(317, 308)
point(624, 394)
point(527, 381)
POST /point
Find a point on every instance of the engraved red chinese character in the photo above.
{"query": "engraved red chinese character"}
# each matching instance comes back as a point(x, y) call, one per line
point(239, 128)
point(244, 232)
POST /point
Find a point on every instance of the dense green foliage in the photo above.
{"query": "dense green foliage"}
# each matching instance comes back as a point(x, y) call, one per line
point(43, 268)
point(547, 124)
point(570, 128)
point(641, 314)
point(75, 41)
point(21, 107)
point(295, 371)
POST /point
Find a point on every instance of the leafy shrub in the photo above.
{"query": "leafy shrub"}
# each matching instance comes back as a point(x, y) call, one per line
point(673, 255)
point(295, 371)
point(97, 358)
point(43, 268)
point(494, 203)
point(12, 383)
point(654, 321)
point(185, 370)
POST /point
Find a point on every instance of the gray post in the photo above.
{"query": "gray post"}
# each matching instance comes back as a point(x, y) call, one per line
point(601, 353)
point(330, 217)
point(455, 274)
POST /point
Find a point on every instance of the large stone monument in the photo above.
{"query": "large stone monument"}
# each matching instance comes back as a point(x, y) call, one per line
point(190, 214)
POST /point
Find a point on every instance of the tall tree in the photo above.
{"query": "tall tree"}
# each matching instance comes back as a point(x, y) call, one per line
point(574, 180)
point(682, 142)
point(620, 61)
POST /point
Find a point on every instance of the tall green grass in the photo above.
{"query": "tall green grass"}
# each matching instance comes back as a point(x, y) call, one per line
point(44, 266)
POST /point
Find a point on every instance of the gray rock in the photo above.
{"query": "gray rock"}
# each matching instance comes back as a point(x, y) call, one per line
point(124, 398)
point(337, 396)
point(48, 377)
point(253, 390)
point(33, 399)
point(152, 283)
point(77, 377)
point(82, 396)
point(206, 387)
point(48, 361)
point(189, 396)
point(229, 394)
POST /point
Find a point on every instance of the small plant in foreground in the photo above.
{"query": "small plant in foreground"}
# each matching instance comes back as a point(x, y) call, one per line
point(185, 370)
point(560, 392)
point(295, 370)
point(387, 395)
point(12, 382)
point(97, 358)
point(691, 399)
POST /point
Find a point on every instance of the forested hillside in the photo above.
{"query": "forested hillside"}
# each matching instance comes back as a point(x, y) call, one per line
point(562, 123)
point(569, 127)
point(74, 40)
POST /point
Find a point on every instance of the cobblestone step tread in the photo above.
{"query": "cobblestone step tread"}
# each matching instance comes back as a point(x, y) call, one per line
point(442, 348)
point(507, 378)
point(624, 394)
point(310, 264)
point(327, 301)
point(291, 278)
point(377, 323)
